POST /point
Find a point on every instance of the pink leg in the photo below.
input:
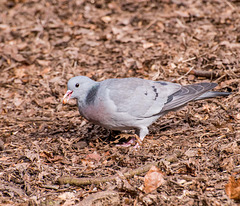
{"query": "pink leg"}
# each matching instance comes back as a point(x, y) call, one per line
point(128, 143)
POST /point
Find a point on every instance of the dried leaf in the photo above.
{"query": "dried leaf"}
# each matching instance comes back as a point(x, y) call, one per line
point(45, 71)
point(87, 163)
point(232, 188)
point(94, 156)
point(147, 45)
point(106, 19)
point(20, 72)
point(17, 101)
point(68, 198)
point(238, 116)
point(153, 179)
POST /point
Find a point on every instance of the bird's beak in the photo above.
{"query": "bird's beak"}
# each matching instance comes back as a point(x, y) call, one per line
point(67, 96)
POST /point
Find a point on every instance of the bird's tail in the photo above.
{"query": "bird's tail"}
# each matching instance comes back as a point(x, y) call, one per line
point(190, 93)
point(212, 94)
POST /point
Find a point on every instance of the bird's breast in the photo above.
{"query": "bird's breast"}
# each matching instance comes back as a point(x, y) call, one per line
point(95, 113)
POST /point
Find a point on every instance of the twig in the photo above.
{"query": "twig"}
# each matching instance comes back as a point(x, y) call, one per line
point(149, 25)
point(200, 73)
point(189, 71)
point(220, 104)
point(192, 58)
point(230, 5)
point(10, 67)
point(188, 60)
point(52, 187)
point(87, 181)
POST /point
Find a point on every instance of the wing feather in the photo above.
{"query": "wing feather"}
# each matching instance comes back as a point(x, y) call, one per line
point(137, 97)
point(186, 94)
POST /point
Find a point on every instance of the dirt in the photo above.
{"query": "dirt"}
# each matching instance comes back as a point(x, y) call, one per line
point(43, 43)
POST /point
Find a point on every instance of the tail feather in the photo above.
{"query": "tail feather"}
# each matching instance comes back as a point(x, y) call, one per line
point(190, 93)
point(212, 94)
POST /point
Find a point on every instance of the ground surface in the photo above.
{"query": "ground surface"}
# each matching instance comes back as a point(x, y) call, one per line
point(44, 43)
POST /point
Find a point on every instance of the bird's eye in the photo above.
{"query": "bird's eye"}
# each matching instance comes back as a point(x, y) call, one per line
point(77, 85)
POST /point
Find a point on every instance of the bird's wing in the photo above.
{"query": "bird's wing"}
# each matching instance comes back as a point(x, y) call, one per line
point(138, 97)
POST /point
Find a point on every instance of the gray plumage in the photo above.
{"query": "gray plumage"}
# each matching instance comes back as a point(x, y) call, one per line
point(132, 103)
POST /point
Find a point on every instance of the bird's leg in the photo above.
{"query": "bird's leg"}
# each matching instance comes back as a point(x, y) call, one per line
point(139, 136)
point(126, 136)
point(141, 133)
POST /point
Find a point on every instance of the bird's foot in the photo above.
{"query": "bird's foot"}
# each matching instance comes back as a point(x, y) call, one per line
point(128, 143)
point(126, 136)
point(139, 142)
point(131, 142)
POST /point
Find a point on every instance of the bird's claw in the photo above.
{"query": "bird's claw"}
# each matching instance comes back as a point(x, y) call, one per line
point(131, 141)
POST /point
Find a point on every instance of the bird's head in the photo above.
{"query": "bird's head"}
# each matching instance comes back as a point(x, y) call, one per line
point(77, 86)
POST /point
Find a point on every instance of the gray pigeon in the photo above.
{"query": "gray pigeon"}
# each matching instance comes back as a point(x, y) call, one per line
point(132, 103)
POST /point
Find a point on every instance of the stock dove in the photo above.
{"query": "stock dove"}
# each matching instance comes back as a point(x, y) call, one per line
point(132, 103)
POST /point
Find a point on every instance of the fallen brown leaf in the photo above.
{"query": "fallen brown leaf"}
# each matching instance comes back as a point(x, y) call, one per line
point(232, 188)
point(153, 179)
point(94, 156)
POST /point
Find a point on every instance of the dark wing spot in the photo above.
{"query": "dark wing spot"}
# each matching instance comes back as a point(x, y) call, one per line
point(156, 93)
point(163, 83)
point(169, 99)
point(154, 89)
point(91, 96)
